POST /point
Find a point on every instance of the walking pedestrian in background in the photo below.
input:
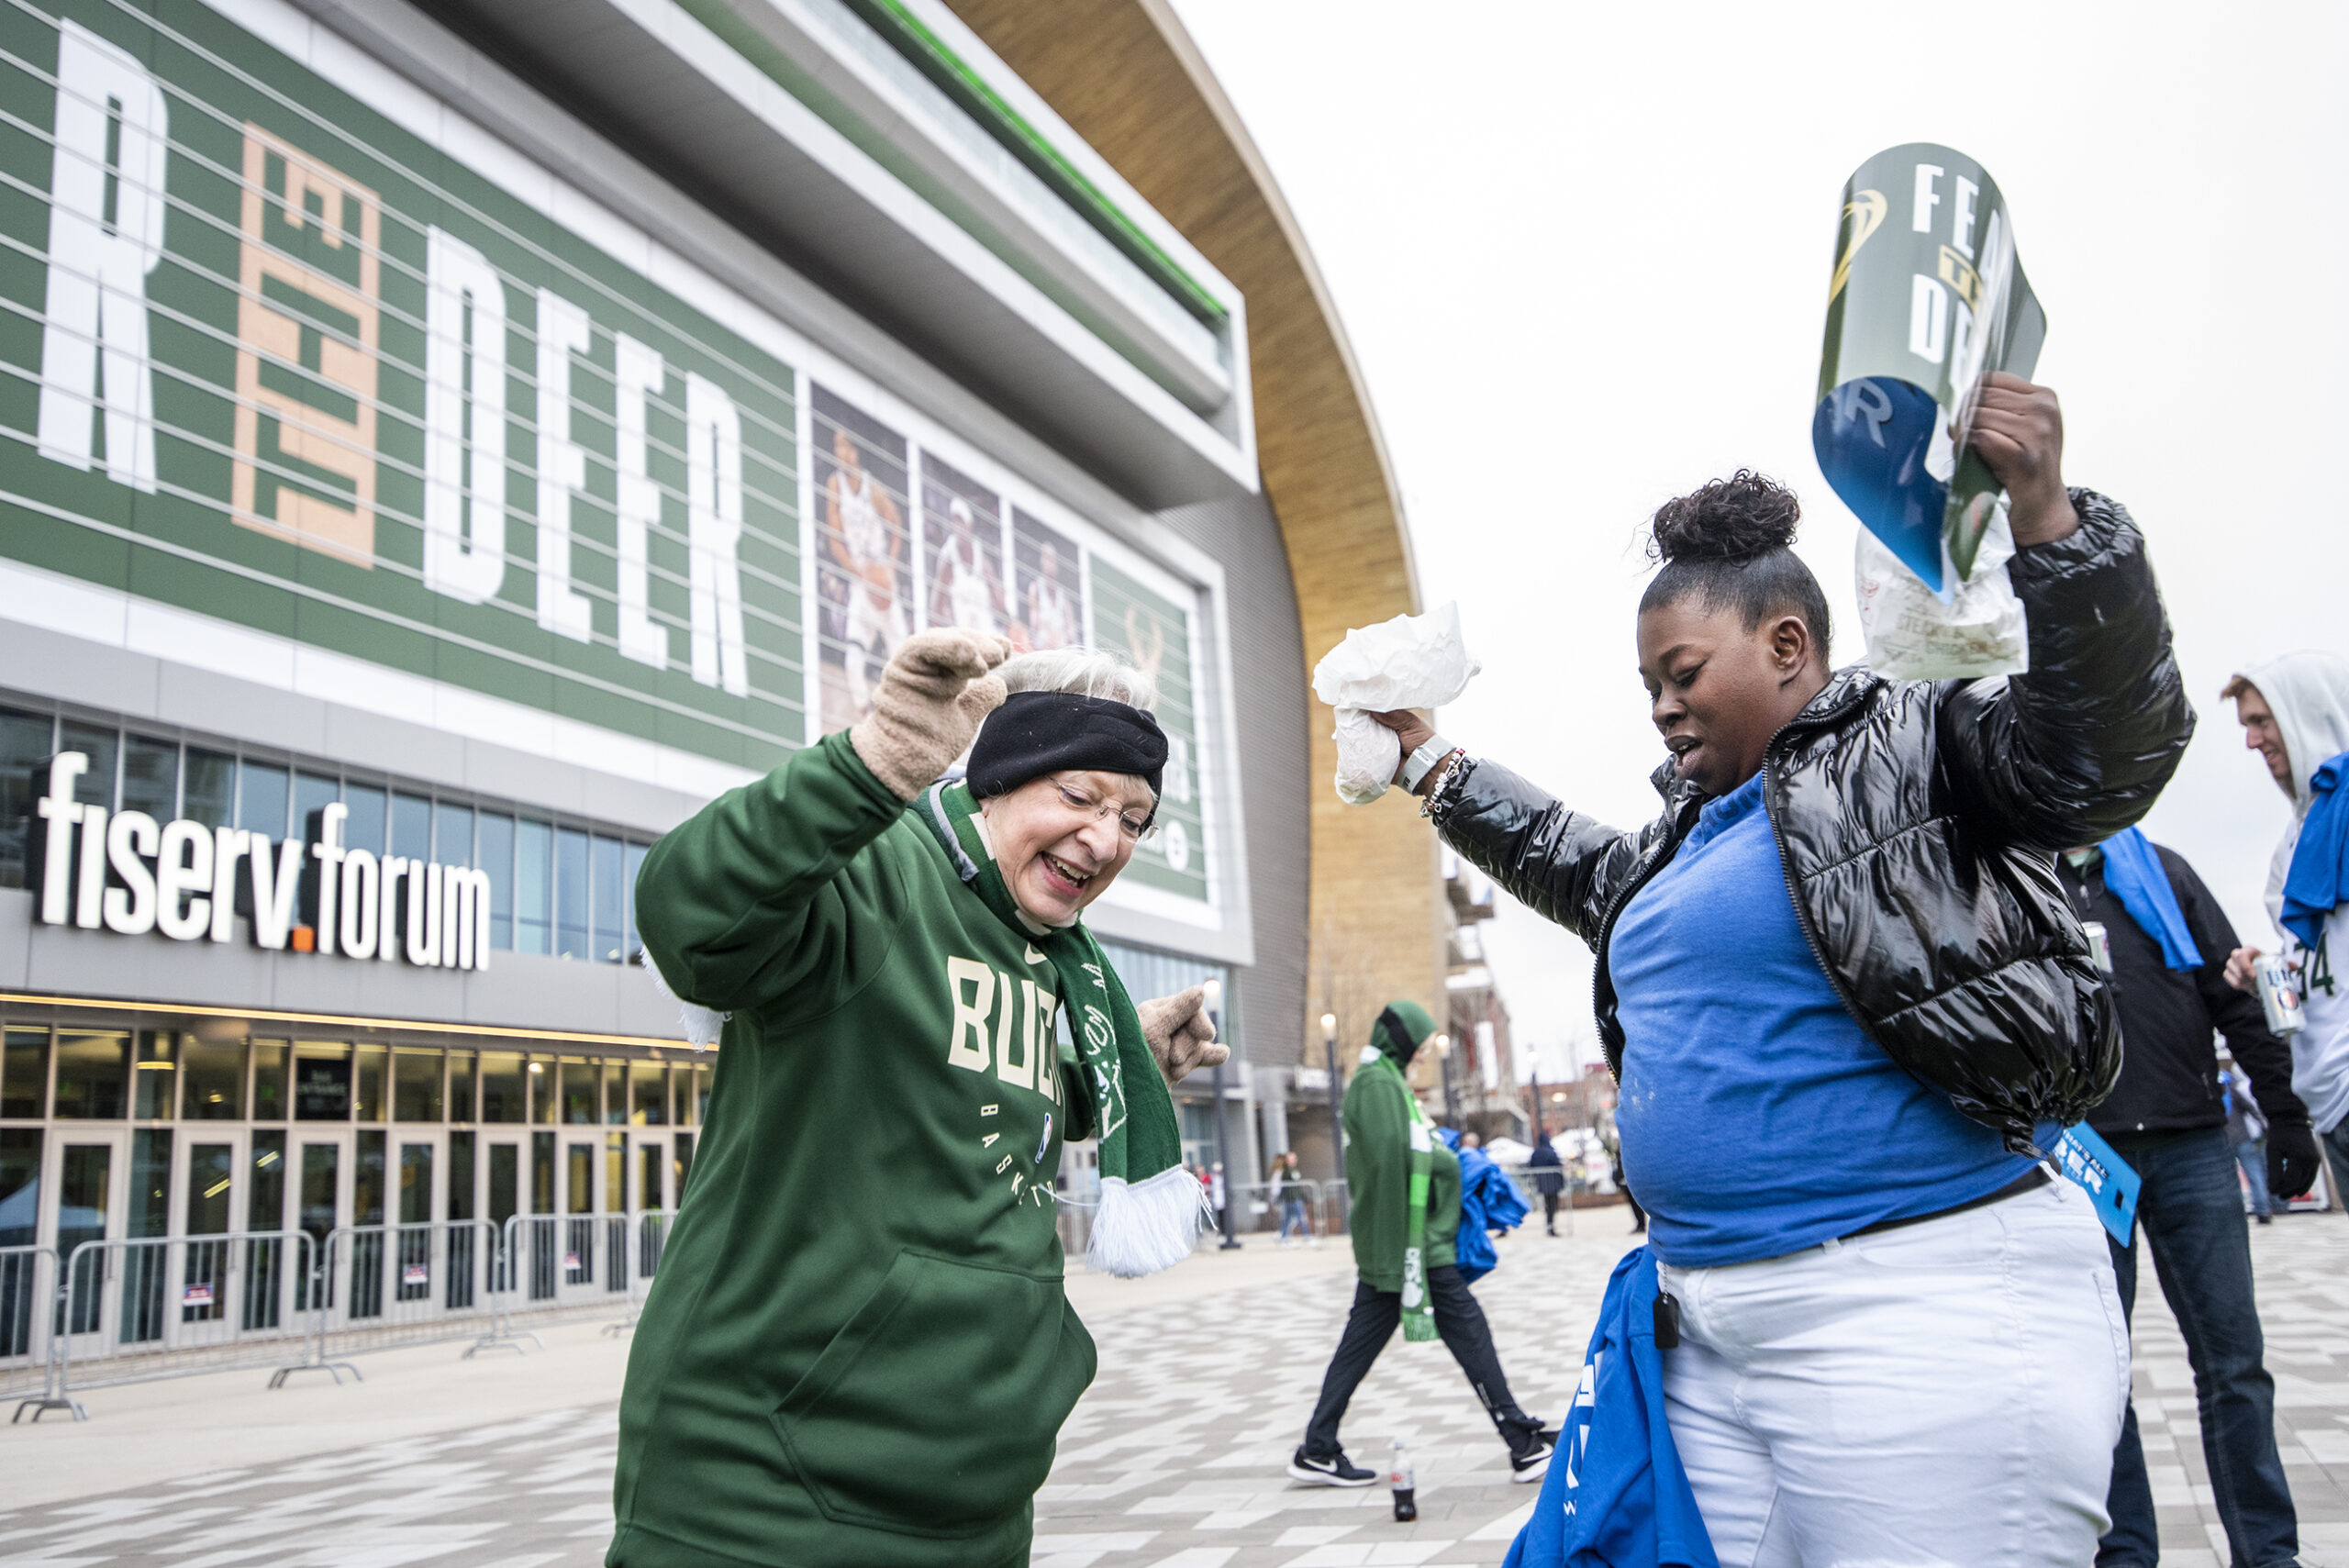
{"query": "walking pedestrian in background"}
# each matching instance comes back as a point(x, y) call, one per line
point(2167, 941)
point(2247, 1137)
point(1406, 1222)
point(1289, 1189)
point(1549, 1179)
point(2294, 714)
point(1841, 991)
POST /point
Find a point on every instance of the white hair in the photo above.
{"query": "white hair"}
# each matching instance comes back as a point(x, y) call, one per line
point(1084, 672)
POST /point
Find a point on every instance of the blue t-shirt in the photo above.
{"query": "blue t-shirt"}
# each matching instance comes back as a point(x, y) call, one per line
point(1757, 1118)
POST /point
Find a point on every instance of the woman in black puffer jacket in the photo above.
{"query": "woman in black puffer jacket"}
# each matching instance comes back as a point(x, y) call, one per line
point(1843, 996)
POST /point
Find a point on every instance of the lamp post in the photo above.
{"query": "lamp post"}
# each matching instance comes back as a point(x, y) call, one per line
point(1222, 1135)
point(1337, 1117)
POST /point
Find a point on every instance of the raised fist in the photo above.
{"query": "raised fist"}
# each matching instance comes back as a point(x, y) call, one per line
point(934, 695)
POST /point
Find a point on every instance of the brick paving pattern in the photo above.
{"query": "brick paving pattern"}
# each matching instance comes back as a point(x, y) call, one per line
point(1174, 1460)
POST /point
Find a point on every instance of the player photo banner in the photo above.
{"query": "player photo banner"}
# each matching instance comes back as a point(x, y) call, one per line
point(1927, 298)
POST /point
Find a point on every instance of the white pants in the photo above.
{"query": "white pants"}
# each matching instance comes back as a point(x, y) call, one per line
point(1945, 1393)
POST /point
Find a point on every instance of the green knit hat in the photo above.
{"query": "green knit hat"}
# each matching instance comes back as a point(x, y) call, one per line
point(1402, 1027)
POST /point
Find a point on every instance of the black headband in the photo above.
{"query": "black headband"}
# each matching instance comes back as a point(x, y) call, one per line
point(1035, 733)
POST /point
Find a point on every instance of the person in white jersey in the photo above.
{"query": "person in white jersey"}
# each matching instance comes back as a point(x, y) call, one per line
point(1052, 618)
point(867, 539)
point(2294, 714)
point(963, 591)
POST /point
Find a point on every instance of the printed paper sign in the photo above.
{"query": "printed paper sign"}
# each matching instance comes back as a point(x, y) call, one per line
point(1926, 300)
point(2090, 1163)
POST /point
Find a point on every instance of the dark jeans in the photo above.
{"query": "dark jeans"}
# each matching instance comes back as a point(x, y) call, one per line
point(2191, 1214)
point(1550, 1211)
point(1465, 1334)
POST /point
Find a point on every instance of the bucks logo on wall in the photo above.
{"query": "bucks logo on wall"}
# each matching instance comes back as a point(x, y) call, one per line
point(1926, 299)
point(284, 362)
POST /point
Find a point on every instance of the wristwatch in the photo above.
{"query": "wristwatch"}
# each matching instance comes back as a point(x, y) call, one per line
point(1433, 750)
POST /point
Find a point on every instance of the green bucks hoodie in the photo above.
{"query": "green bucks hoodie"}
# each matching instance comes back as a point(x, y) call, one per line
point(856, 1351)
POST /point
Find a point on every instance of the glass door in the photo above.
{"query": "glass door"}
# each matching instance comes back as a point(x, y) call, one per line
point(89, 1174)
point(419, 1158)
point(207, 1208)
point(502, 1157)
point(320, 1177)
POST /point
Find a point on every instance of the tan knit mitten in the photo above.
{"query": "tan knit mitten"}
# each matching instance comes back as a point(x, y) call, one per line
point(931, 699)
point(1181, 1033)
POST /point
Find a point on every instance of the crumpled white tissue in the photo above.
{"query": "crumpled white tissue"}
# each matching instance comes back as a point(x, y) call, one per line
point(1914, 634)
point(1410, 661)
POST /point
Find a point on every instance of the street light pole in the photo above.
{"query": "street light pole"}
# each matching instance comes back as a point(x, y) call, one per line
point(1337, 1117)
point(1222, 1133)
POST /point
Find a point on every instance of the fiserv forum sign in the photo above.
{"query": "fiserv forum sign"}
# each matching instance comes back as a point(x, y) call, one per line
point(273, 358)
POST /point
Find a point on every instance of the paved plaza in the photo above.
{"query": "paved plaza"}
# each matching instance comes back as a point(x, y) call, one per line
point(1172, 1461)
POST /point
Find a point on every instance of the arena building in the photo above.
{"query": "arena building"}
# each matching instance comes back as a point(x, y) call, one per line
point(451, 441)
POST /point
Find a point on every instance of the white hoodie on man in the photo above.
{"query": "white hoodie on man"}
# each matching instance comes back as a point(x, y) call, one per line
point(2309, 693)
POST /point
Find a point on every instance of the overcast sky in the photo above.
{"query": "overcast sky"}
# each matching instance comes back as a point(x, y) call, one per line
point(1583, 253)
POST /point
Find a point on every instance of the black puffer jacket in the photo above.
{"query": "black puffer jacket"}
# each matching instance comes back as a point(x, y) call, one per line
point(1917, 821)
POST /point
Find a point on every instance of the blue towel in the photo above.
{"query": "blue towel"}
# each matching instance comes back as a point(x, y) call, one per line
point(2319, 879)
point(2134, 874)
point(1615, 1495)
point(1489, 1202)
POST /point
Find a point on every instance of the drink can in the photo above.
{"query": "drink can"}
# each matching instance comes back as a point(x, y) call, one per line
point(2099, 945)
point(2279, 995)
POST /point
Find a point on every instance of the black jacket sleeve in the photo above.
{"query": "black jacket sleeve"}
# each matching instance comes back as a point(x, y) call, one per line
point(2077, 749)
point(1558, 863)
point(2236, 1014)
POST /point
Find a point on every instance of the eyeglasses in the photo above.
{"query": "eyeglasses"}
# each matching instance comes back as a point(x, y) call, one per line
point(1135, 826)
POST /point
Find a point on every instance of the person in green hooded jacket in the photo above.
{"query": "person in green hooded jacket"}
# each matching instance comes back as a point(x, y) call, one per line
point(1405, 1217)
point(857, 1349)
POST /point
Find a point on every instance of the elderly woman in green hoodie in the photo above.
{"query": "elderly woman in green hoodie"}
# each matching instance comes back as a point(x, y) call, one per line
point(1406, 1217)
point(857, 1349)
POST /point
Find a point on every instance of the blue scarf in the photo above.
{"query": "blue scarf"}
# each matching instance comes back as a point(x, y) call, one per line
point(1615, 1493)
point(2319, 879)
point(2134, 874)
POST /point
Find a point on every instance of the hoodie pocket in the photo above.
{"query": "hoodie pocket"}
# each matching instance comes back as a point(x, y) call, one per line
point(934, 1410)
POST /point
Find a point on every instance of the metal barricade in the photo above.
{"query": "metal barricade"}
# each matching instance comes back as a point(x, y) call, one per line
point(558, 1265)
point(1526, 1179)
point(1261, 1210)
point(1335, 1204)
point(32, 1370)
point(380, 1287)
point(133, 1310)
point(649, 1229)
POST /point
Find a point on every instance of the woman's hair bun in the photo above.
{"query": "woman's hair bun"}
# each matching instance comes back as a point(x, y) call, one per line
point(1735, 519)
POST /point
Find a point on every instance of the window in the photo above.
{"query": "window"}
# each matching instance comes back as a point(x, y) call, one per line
point(416, 1084)
point(607, 856)
point(648, 1098)
point(25, 741)
point(570, 893)
point(367, 1098)
point(321, 1081)
point(93, 1075)
point(578, 1091)
point(412, 827)
point(635, 854)
point(95, 787)
point(460, 1086)
point(497, 858)
point(19, 1198)
point(616, 1092)
point(151, 778)
point(261, 797)
point(545, 1087)
point(268, 1080)
point(452, 834)
point(24, 1074)
point(364, 829)
point(312, 795)
point(155, 1082)
point(214, 1071)
point(210, 786)
point(502, 1090)
point(533, 887)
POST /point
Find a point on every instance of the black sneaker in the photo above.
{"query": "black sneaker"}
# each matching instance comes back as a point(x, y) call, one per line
point(1527, 1464)
point(1332, 1471)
